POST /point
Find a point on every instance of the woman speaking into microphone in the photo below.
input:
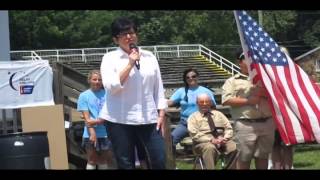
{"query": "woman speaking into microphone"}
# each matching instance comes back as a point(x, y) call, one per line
point(134, 109)
point(134, 48)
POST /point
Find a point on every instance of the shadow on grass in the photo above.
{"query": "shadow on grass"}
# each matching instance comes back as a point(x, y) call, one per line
point(302, 164)
point(307, 147)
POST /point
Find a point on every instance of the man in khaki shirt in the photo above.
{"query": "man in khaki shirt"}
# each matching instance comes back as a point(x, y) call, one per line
point(211, 145)
point(253, 119)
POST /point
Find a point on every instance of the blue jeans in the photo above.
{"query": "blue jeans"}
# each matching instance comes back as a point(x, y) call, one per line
point(180, 132)
point(124, 138)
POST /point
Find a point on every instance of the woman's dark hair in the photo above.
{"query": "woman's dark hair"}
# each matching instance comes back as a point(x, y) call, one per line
point(186, 85)
point(122, 24)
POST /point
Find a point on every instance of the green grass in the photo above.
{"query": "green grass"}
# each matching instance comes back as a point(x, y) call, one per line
point(182, 164)
point(186, 162)
point(306, 156)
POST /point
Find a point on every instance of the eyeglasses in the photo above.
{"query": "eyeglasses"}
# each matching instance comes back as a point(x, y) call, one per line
point(124, 34)
point(204, 102)
point(191, 77)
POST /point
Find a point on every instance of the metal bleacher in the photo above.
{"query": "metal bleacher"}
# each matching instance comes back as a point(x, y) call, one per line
point(173, 59)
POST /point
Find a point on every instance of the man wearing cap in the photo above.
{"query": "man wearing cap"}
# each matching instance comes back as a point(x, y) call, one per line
point(254, 127)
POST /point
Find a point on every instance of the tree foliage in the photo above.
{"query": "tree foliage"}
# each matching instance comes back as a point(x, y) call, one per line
point(214, 29)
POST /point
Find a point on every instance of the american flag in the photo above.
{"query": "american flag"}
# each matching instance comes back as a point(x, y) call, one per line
point(293, 97)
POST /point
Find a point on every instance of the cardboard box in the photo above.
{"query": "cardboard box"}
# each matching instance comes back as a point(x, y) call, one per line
point(50, 119)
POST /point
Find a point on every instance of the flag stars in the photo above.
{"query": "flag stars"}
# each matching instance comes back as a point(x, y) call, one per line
point(244, 23)
point(274, 59)
point(262, 47)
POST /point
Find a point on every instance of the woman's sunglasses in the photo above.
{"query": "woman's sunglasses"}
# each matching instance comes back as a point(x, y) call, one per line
point(191, 77)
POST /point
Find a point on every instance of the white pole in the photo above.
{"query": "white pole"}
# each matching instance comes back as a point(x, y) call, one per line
point(5, 49)
point(4, 36)
point(260, 18)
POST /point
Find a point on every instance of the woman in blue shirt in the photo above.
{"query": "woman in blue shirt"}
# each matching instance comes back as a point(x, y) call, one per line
point(186, 98)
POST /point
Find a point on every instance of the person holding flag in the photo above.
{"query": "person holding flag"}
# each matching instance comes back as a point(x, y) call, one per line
point(294, 98)
point(254, 127)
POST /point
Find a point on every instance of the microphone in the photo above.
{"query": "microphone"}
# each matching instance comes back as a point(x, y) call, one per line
point(132, 47)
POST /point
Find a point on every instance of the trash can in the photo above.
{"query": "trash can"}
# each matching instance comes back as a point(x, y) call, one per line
point(26, 150)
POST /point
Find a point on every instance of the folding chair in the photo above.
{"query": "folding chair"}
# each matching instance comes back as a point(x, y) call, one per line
point(198, 162)
point(227, 161)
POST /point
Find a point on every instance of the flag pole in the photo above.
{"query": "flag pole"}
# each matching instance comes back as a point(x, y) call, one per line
point(240, 33)
point(243, 44)
point(260, 17)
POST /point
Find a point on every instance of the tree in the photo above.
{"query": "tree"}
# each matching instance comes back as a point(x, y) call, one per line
point(60, 29)
point(214, 29)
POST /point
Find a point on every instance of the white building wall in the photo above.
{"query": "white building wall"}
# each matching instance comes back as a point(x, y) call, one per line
point(4, 36)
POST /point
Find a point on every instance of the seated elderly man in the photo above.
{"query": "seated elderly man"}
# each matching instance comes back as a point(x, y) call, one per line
point(211, 133)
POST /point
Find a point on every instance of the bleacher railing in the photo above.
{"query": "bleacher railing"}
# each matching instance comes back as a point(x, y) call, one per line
point(10, 121)
point(161, 51)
